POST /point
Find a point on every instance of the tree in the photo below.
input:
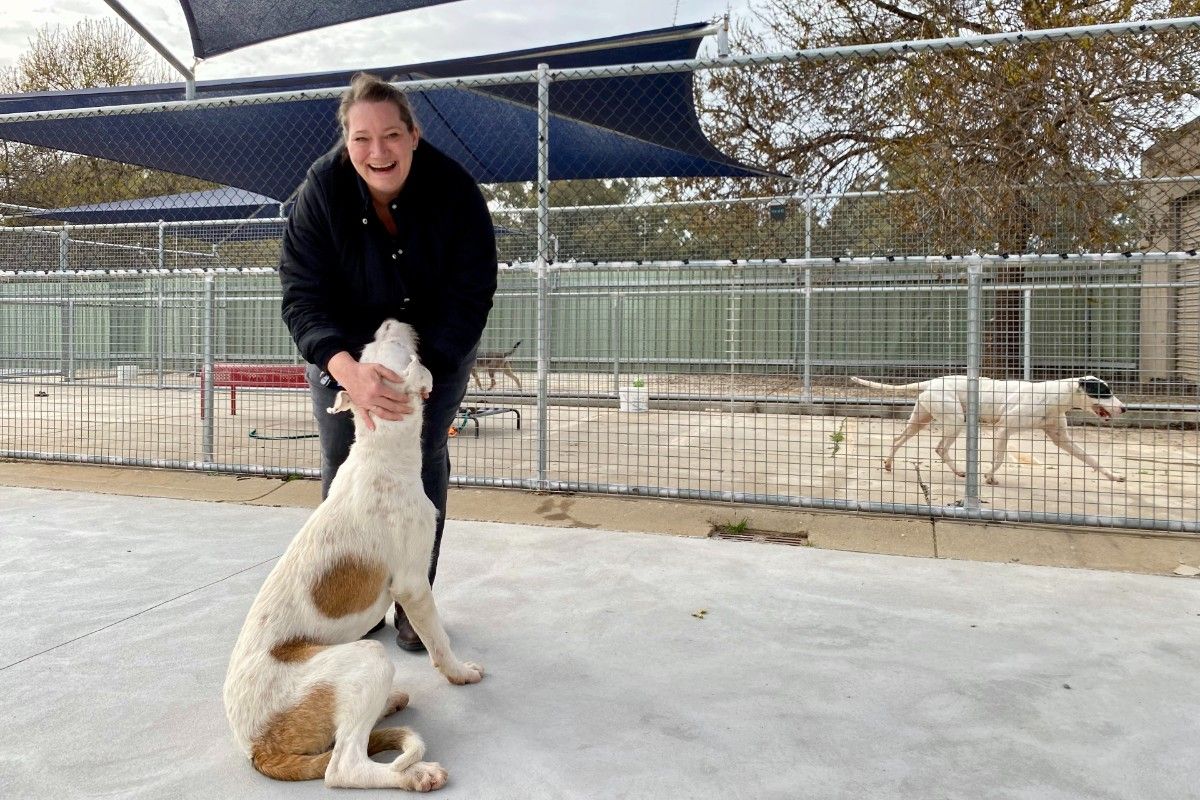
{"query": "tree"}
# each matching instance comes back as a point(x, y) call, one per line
point(1013, 148)
point(90, 54)
point(584, 234)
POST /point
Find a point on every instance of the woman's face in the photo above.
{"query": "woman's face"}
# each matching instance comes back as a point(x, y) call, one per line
point(380, 146)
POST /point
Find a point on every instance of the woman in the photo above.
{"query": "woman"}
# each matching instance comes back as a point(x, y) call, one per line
point(386, 225)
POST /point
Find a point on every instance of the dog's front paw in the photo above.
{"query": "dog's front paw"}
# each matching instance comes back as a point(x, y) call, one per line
point(1112, 476)
point(424, 776)
point(470, 673)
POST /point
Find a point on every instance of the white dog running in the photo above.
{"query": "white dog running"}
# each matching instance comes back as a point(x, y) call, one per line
point(1010, 406)
point(303, 691)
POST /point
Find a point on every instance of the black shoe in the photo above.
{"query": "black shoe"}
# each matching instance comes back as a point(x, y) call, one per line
point(406, 637)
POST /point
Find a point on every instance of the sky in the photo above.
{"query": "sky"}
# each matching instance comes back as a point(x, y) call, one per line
point(465, 28)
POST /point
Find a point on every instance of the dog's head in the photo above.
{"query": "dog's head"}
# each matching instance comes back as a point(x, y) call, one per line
point(395, 347)
point(1094, 395)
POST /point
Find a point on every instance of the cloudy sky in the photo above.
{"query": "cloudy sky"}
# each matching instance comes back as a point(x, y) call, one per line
point(468, 27)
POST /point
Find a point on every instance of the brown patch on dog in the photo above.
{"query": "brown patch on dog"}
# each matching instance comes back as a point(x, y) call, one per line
point(296, 650)
point(298, 743)
point(351, 585)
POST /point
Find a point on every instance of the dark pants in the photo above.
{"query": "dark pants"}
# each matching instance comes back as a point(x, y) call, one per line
point(337, 434)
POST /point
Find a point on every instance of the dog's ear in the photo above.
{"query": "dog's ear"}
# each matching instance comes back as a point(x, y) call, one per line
point(341, 402)
point(417, 378)
point(1095, 388)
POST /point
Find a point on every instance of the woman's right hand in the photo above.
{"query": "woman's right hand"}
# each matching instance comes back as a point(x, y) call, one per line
point(372, 388)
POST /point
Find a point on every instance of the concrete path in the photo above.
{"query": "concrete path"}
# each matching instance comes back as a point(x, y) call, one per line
point(620, 665)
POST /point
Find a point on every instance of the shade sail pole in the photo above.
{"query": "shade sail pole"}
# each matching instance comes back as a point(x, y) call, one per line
point(189, 77)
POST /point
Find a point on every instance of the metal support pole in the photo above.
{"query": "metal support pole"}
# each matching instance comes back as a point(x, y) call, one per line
point(614, 337)
point(733, 332)
point(543, 245)
point(808, 394)
point(161, 318)
point(808, 233)
point(1027, 335)
point(808, 237)
point(974, 359)
point(189, 77)
point(67, 314)
point(161, 327)
point(206, 346)
point(70, 326)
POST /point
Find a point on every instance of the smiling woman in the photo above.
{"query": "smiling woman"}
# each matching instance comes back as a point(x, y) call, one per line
point(380, 135)
point(383, 229)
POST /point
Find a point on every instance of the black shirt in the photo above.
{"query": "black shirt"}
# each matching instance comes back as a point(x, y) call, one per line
point(343, 273)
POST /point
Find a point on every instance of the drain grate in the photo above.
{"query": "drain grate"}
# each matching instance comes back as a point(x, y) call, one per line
point(799, 539)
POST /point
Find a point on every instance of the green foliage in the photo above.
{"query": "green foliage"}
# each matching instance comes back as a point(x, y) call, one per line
point(1009, 148)
point(741, 526)
point(92, 53)
point(837, 437)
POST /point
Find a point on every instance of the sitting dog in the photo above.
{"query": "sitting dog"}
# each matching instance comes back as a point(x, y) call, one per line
point(304, 691)
point(493, 363)
point(1010, 406)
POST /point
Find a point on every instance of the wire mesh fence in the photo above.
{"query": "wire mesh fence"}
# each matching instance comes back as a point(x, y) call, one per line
point(695, 336)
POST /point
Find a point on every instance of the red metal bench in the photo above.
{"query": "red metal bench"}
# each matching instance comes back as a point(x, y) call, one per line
point(272, 376)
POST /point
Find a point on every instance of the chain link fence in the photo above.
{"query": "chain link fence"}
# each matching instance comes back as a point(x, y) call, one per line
point(696, 337)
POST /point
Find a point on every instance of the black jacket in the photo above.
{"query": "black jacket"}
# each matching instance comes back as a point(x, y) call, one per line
point(343, 274)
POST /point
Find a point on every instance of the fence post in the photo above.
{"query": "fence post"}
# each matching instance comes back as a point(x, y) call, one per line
point(206, 381)
point(614, 338)
point(808, 394)
point(808, 209)
point(161, 326)
point(974, 359)
point(1027, 335)
point(70, 334)
point(67, 321)
point(543, 246)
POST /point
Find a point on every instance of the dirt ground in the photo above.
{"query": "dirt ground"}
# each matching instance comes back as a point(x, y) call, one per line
point(712, 443)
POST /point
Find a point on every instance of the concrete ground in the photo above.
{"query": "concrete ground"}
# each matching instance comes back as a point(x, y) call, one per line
point(619, 664)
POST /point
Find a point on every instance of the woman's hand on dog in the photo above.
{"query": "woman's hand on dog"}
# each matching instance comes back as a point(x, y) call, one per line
point(372, 389)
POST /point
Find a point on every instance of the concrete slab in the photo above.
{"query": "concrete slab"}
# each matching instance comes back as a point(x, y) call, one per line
point(1094, 548)
point(810, 673)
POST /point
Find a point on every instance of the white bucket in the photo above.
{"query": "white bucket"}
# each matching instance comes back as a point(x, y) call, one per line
point(634, 398)
point(127, 373)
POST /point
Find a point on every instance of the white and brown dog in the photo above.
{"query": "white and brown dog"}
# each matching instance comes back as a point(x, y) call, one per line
point(1010, 406)
point(304, 691)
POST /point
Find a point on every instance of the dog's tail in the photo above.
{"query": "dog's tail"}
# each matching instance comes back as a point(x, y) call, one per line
point(292, 766)
point(410, 745)
point(308, 767)
point(513, 349)
point(905, 388)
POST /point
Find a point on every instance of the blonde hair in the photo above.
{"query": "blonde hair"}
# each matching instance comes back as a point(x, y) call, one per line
point(368, 88)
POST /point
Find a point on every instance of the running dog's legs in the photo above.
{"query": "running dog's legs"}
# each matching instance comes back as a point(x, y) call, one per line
point(1063, 439)
point(917, 420)
point(999, 448)
point(947, 411)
